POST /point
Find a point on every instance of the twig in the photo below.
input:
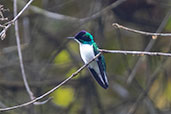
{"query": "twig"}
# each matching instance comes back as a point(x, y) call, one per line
point(50, 91)
point(3, 32)
point(154, 35)
point(21, 59)
point(58, 16)
point(20, 54)
point(2, 26)
point(113, 5)
point(80, 69)
point(148, 48)
point(140, 53)
point(52, 15)
point(2, 18)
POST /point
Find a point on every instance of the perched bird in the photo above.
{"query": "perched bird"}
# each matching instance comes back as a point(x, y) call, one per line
point(88, 50)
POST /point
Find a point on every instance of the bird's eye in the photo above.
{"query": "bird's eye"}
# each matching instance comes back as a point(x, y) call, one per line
point(86, 37)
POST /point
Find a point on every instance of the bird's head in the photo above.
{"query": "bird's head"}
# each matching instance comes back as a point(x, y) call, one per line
point(83, 37)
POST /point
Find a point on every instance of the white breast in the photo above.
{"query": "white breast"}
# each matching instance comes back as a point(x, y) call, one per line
point(87, 53)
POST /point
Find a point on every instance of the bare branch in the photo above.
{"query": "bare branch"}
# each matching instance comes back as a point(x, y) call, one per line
point(80, 69)
point(140, 53)
point(113, 5)
point(2, 26)
point(20, 54)
point(21, 59)
point(3, 32)
point(52, 90)
point(154, 35)
point(148, 48)
point(58, 16)
point(52, 15)
point(2, 18)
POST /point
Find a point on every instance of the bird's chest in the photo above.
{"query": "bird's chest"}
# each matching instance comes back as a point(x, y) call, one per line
point(87, 52)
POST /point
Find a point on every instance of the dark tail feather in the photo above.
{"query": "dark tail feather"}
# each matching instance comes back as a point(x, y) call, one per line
point(102, 81)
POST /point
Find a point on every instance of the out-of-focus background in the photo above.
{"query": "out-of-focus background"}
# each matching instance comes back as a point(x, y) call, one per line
point(138, 83)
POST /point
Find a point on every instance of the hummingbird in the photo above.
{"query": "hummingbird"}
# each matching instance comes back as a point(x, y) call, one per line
point(88, 50)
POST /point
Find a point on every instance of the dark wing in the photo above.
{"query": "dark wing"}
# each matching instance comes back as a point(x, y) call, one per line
point(95, 75)
point(103, 72)
point(102, 66)
point(100, 58)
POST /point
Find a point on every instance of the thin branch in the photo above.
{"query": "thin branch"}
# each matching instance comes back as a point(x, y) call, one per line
point(58, 16)
point(2, 17)
point(52, 15)
point(20, 54)
point(140, 53)
point(21, 59)
point(19, 14)
point(103, 11)
point(80, 69)
point(52, 90)
point(3, 32)
point(154, 35)
point(148, 48)
point(2, 26)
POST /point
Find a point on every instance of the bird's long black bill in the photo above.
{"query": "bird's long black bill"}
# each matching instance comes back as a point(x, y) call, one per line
point(71, 38)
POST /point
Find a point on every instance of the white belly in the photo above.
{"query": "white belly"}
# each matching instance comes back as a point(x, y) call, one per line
point(87, 53)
